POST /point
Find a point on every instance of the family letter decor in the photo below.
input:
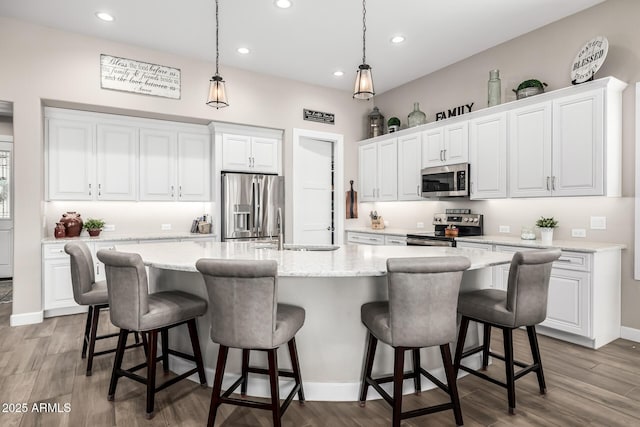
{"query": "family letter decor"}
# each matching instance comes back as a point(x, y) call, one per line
point(319, 116)
point(139, 77)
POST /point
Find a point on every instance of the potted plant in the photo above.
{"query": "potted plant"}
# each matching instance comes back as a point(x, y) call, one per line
point(546, 226)
point(93, 226)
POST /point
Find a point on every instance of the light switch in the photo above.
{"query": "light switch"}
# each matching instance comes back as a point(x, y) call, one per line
point(505, 229)
point(598, 222)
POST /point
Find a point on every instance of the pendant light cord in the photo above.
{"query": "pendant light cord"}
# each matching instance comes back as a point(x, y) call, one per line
point(217, 51)
point(364, 31)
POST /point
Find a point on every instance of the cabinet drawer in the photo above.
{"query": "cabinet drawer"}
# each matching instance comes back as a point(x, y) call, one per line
point(395, 240)
point(365, 238)
point(54, 251)
point(573, 261)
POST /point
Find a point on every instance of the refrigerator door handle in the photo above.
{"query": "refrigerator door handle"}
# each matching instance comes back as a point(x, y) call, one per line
point(258, 210)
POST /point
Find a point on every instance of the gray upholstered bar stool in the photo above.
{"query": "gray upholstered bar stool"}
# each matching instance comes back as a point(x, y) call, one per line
point(245, 314)
point(524, 303)
point(421, 312)
point(133, 308)
point(86, 291)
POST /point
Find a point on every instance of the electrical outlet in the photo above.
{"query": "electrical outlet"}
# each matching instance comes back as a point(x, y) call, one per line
point(598, 222)
point(109, 227)
point(505, 229)
point(165, 227)
point(578, 232)
point(420, 225)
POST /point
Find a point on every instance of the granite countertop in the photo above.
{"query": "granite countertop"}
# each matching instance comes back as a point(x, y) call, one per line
point(346, 261)
point(109, 237)
point(565, 245)
point(390, 231)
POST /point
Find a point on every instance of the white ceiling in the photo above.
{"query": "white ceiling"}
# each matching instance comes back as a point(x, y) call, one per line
point(313, 38)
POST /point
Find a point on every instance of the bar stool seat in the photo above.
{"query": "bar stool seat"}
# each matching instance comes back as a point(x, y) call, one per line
point(134, 309)
point(86, 291)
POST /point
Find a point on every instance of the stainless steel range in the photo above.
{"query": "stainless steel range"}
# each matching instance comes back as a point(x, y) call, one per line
point(463, 220)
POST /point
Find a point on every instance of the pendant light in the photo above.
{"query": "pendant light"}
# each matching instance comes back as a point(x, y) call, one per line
point(364, 80)
point(217, 90)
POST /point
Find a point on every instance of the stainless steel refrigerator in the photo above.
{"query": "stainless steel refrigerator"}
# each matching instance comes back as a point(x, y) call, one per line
point(252, 206)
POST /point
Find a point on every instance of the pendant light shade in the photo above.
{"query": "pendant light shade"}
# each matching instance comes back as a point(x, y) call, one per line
point(364, 80)
point(217, 90)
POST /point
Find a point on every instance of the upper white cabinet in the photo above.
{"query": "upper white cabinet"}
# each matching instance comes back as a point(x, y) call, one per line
point(378, 170)
point(409, 165)
point(246, 153)
point(446, 145)
point(488, 156)
point(94, 156)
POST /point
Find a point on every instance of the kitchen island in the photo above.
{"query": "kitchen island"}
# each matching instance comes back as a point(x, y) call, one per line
point(330, 285)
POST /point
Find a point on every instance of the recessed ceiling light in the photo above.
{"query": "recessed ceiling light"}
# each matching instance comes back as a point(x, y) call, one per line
point(338, 73)
point(104, 16)
point(397, 39)
point(243, 50)
point(283, 4)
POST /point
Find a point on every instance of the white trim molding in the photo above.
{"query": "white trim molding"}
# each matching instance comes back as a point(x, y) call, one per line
point(630, 334)
point(26, 318)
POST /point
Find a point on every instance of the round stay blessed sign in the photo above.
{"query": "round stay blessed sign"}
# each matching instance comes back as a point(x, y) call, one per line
point(589, 59)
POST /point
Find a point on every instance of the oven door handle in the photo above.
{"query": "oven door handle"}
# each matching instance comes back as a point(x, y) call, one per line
point(428, 242)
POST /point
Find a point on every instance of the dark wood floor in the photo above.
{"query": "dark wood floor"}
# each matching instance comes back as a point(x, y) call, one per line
point(41, 364)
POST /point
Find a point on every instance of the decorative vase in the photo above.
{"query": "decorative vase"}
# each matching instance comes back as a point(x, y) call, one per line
point(94, 232)
point(494, 89)
point(72, 223)
point(416, 117)
point(546, 235)
point(59, 231)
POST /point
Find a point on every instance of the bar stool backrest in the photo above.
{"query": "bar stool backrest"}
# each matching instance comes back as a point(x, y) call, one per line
point(243, 301)
point(528, 286)
point(423, 299)
point(127, 287)
point(82, 274)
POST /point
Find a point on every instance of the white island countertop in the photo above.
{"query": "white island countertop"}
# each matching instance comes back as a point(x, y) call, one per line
point(115, 237)
point(565, 245)
point(346, 261)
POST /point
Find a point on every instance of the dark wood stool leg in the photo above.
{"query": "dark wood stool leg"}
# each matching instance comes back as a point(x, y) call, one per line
point(87, 330)
point(415, 353)
point(151, 371)
point(223, 351)
point(275, 389)
point(462, 335)
point(245, 371)
point(486, 346)
point(451, 382)
point(165, 349)
point(398, 378)
point(295, 364)
point(145, 344)
point(535, 352)
point(92, 339)
point(136, 336)
point(117, 362)
point(508, 364)
point(372, 342)
point(197, 353)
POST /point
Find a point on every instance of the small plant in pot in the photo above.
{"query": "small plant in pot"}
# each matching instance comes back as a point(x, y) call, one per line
point(546, 226)
point(93, 226)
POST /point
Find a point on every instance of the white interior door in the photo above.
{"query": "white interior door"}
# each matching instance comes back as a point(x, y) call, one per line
point(6, 208)
point(314, 195)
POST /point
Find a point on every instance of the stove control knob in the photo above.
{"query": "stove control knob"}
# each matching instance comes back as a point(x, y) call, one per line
point(475, 219)
point(437, 219)
point(466, 220)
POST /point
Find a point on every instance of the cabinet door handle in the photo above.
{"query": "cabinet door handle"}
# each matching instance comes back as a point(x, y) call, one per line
point(553, 183)
point(98, 269)
point(444, 155)
point(172, 192)
point(418, 189)
point(471, 187)
point(99, 189)
point(548, 186)
point(180, 191)
point(89, 189)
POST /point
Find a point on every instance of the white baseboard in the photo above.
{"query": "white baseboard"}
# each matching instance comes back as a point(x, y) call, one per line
point(258, 386)
point(26, 318)
point(630, 334)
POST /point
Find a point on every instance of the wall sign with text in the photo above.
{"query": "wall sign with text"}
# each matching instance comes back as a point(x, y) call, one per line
point(453, 112)
point(129, 75)
point(589, 60)
point(319, 116)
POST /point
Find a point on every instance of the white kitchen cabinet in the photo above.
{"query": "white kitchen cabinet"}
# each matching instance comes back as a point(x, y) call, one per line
point(245, 153)
point(378, 170)
point(486, 274)
point(158, 152)
point(391, 240)
point(446, 145)
point(409, 166)
point(117, 163)
point(359, 238)
point(174, 165)
point(56, 278)
point(71, 160)
point(488, 156)
point(530, 157)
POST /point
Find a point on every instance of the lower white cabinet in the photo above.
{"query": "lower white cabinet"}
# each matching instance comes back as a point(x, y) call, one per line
point(390, 240)
point(364, 238)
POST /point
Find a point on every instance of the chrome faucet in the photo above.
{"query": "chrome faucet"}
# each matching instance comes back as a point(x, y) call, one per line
point(280, 232)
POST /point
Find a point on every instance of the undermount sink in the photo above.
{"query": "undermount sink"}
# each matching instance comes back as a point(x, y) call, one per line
point(310, 247)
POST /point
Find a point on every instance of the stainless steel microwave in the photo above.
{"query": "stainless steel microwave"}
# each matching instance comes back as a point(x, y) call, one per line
point(446, 181)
